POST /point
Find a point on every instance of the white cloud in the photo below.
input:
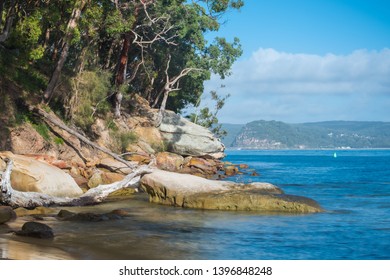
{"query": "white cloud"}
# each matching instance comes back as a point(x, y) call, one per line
point(301, 87)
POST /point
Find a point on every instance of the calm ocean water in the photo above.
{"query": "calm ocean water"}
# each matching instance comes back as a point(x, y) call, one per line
point(353, 188)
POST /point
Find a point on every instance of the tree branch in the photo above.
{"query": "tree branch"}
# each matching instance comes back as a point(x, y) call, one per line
point(82, 138)
point(15, 198)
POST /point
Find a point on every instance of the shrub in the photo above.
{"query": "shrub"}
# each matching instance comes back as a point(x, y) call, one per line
point(89, 97)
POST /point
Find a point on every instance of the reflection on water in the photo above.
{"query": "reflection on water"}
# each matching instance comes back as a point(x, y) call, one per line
point(148, 232)
point(16, 250)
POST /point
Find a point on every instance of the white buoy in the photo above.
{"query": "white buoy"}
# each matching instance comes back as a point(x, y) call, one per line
point(335, 155)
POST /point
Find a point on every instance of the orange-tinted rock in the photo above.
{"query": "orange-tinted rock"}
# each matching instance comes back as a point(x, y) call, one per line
point(243, 166)
point(231, 170)
point(169, 161)
point(202, 164)
point(138, 157)
point(103, 178)
point(36, 176)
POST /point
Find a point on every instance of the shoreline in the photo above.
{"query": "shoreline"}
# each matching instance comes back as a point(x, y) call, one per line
point(309, 149)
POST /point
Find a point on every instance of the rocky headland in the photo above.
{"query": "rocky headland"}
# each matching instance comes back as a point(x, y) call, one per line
point(185, 161)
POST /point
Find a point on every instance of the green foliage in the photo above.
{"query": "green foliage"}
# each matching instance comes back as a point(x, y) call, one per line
point(122, 140)
point(26, 37)
point(167, 28)
point(22, 116)
point(59, 141)
point(89, 97)
point(42, 129)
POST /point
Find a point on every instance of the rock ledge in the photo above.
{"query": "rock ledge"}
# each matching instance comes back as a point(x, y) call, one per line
point(188, 191)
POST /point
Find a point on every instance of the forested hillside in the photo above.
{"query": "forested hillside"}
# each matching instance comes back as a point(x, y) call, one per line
point(330, 134)
point(84, 58)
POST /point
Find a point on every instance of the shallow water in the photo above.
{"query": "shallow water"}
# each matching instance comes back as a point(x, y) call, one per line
point(354, 188)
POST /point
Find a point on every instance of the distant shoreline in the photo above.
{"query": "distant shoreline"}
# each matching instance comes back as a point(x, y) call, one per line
point(308, 149)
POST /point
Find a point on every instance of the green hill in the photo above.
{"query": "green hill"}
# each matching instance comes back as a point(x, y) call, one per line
point(331, 134)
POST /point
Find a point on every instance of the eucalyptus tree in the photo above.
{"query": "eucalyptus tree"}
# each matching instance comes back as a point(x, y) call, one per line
point(156, 48)
point(165, 56)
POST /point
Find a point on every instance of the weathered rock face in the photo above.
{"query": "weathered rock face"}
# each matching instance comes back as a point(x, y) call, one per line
point(169, 161)
point(115, 166)
point(31, 175)
point(24, 139)
point(102, 178)
point(188, 139)
point(189, 191)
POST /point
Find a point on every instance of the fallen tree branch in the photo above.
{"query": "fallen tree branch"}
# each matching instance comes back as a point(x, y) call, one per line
point(48, 118)
point(14, 198)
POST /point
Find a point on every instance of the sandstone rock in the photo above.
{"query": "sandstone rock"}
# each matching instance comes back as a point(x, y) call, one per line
point(141, 158)
point(151, 135)
point(49, 159)
point(203, 164)
point(192, 171)
point(100, 178)
point(231, 170)
point(25, 139)
point(243, 166)
point(36, 176)
point(6, 214)
point(185, 190)
point(20, 212)
point(169, 161)
point(186, 138)
point(36, 230)
point(66, 215)
point(115, 166)
point(123, 193)
point(95, 180)
point(81, 181)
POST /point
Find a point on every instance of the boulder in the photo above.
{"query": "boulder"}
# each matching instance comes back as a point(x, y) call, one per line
point(169, 161)
point(6, 214)
point(115, 166)
point(202, 164)
point(150, 135)
point(49, 159)
point(231, 170)
point(21, 212)
point(36, 230)
point(30, 175)
point(103, 178)
point(66, 215)
point(188, 139)
point(141, 158)
point(184, 190)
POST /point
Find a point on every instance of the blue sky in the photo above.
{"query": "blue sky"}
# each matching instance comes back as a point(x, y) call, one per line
point(308, 61)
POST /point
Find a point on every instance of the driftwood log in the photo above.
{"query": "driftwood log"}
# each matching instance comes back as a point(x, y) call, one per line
point(52, 120)
point(14, 198)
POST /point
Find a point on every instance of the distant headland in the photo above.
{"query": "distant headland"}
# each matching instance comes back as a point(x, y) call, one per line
point(316, 135)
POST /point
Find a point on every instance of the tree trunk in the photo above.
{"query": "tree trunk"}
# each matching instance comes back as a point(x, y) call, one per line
point(14, 198)
point(52, 120)
point(72, 24)
point(121, 74)
point(117, 104)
